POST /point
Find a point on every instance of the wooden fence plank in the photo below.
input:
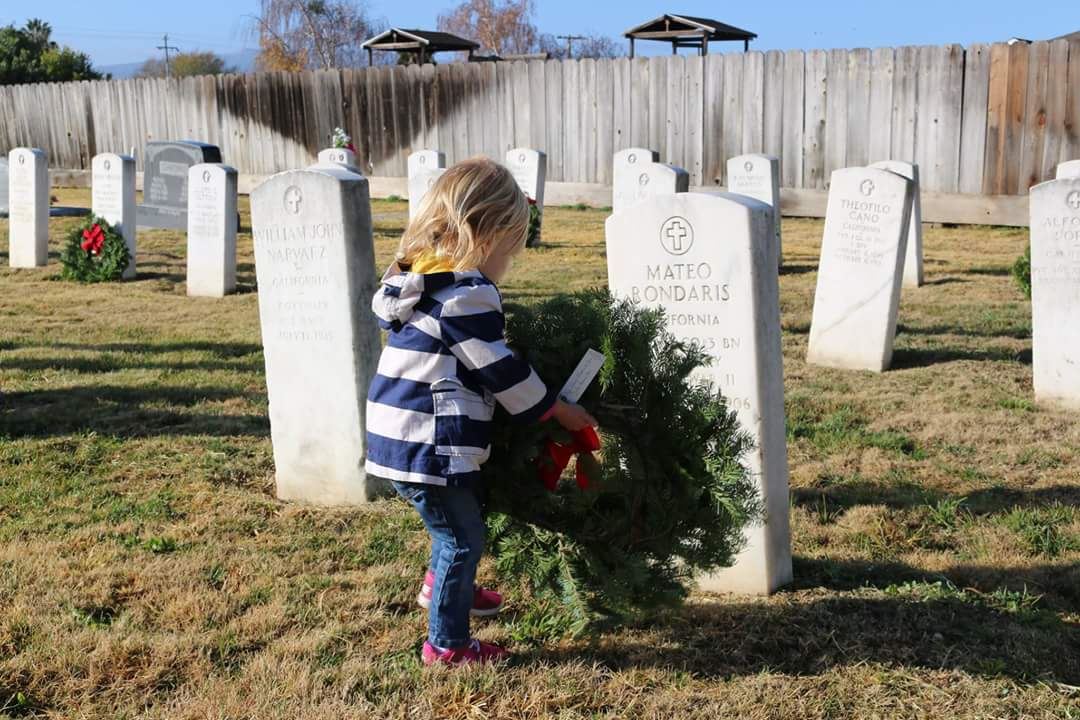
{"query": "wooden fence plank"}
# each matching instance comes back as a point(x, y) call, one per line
point(773, 106)
point(572, 160)
point(620, 105)
point(836, 113)
point(443, 91)
point(586, 144)
point(505, 107)
point(732, 144)
point(817, 71)
point(753, 101)
point(481, 124)
point(882, 79)
point(713, 133)
point(857, 145)
point(973, 122)
point(523, 110)
point(1014, 119)
point(1034, 137)
point(1070, 149)
point(657, 106)
point(791, 158)
point(695, 119)
point(674, 140)
point(938, 126)
point(537, 101)
point(996, 119)
point(639, 102)
point(905, 93)
point(605, 133)
point(1057, 91)
point(554, 148)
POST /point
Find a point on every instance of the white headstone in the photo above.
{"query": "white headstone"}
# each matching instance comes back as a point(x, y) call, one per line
point(862, 259)
point(112, 181)
point(28, 208)
point(707, 259)
point(211, 233)
point(425, 160)
point(1068, 169)
point(1055, 291)
point(913, 260)
point(758, 176)
point(530, 170)
point(419, 184)
point(654, 179)
point(315, 265)
point(344, 157)
point(626, 171)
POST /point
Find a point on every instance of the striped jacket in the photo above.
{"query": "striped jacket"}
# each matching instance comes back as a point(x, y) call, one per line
point(430, 406)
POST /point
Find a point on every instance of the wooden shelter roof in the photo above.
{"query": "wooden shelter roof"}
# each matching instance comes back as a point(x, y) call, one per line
point(429, 41)
point(673, 27)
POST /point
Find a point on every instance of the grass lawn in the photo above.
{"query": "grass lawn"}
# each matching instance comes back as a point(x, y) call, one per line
point(146, 569)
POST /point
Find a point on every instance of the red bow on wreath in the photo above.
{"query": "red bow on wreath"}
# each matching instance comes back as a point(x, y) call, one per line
point(93, 239)
point(556, 457)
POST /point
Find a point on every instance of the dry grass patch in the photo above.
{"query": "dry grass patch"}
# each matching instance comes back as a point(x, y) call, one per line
point(146, 569)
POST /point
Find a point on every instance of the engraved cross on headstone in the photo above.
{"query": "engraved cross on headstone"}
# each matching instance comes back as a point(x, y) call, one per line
point(676, 233)
point(1073, 200)
point(292, 200)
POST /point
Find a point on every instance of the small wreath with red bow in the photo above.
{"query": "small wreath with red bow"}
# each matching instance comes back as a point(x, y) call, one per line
point(95, 252)
point(532, 236)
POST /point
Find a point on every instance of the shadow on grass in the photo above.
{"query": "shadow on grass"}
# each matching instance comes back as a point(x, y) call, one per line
point(907, 495)
point(793, 269)
point(810, 634)
point(123, 412)
point(945, 281)
point(1016, 333)
point(218, 349)
point(991, 271)
point(907, 358)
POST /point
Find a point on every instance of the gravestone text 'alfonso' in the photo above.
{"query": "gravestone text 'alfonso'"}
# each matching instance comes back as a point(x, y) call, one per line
point(709, 261)
point(28, 208)
point(913, 260)
point(315, 260)
point(530, 171)
point(1055, 291)
point(165, 177)
point(425, 167)
point(862, 258)
point(758, 176)
point(112, 182)
point(211, 232)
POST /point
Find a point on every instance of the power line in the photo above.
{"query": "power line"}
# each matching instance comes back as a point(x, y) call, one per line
point(166, 47)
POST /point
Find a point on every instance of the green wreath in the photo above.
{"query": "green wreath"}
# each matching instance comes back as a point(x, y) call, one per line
point(532, 237)
point(95, 252)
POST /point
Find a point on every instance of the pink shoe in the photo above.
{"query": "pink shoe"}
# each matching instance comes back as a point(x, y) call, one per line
point(485, 602)
point(474, 652)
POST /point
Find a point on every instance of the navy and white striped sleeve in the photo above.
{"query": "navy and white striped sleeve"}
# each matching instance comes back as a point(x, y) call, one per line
point(472, 325)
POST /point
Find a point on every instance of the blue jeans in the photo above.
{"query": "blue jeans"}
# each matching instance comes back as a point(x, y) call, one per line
point(455, 522)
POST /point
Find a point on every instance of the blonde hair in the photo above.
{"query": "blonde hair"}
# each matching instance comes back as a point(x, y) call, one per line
point(472, 211)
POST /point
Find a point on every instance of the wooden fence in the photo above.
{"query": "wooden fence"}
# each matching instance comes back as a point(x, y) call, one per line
point(989, 119)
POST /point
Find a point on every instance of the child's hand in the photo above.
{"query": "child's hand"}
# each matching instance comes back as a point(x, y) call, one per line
point(573, 417)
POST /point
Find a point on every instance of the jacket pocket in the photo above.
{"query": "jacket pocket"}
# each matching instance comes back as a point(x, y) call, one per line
point(462, 420)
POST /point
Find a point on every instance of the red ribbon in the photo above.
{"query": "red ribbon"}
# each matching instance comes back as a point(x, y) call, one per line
point(556, 457)
point(93, 239)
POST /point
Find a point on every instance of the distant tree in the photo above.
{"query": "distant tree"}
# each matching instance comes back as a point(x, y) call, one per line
point(589, 46)
point(312, 34)
point(185, 65)
point(503, 27)
point(29, 54)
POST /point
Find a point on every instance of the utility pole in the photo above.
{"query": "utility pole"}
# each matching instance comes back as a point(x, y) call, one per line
point(570, 43)
point(167, 47)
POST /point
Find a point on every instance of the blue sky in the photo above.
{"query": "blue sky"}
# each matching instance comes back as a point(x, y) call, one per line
point(121, 31)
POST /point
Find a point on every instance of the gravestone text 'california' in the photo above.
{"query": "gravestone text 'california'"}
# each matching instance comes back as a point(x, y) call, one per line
point(709, 261)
